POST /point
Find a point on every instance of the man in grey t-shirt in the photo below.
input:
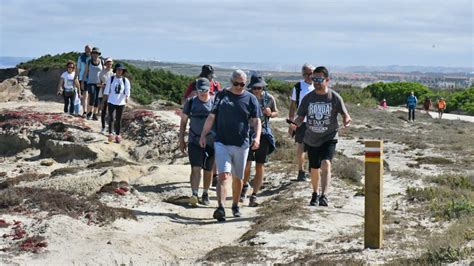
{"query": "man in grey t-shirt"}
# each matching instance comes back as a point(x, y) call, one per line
point(320, 108)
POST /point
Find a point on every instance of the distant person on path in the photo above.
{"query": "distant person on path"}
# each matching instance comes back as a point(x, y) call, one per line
point(81, 68)
point(104, 75)
point(91, 76)
point(427, 105)
point(321, 107)
point(68, 84)
point(233, 110)
point(207, 71)
point(411, 105)
point(441, 107)
point(267, 142)
point(117, 92)
point(300, 90)
point(197, 109)
point(383, 104)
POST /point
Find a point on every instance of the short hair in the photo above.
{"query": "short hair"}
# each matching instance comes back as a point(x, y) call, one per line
point(70, 62)
point(321, 69)
point(238, 73)
point(307, 66)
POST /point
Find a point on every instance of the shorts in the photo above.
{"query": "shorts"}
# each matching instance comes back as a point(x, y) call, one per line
point(261, 154)
point(85, 87)
point(324, 152)
point(231, 159)
point(199, 157)
point(299, 134)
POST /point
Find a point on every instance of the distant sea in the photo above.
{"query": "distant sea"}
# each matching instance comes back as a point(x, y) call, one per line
point(12, 61)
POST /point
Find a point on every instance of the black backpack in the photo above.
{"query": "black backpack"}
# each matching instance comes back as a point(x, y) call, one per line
point(124, 80)
point(298, 91)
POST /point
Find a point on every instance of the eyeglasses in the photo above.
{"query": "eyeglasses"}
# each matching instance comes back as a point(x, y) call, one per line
point(318, 80)
point(236, 84)
point(70, 67)
point(257, 88)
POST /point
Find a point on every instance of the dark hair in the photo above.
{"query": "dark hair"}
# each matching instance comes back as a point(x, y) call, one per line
point(321, 69)
point(70, 62)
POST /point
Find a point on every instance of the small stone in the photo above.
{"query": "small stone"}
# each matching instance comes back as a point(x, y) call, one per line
point(109, 242)
point(47, 162)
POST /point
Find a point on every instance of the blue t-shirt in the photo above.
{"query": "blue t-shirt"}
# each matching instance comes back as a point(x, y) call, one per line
point(81, 64)
point(411, 101)
point(198, 111)
point(232, 117)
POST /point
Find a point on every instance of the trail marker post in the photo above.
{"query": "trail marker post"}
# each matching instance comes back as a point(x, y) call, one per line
point(373, 233)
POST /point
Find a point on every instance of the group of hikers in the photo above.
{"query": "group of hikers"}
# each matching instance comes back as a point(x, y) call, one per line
point(229, 128)
point(412, 101)
point(96, 86)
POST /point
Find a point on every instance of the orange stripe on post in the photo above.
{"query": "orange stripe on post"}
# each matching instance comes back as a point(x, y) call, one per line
point(372, 154)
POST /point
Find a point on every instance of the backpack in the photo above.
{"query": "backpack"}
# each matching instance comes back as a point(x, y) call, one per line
point(298, 91)
point(124, 80)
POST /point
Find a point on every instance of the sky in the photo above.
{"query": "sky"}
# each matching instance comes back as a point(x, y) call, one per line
point(333, 32)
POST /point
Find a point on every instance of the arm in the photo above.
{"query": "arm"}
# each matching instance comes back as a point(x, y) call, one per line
point(207, 127)
point(77, 85)
point(182, 132)
point(86, 72)
point(271, 110)
point(128, 89)
point(78, 70)
point(257, 126)
point(299, 120)
point(60, 86)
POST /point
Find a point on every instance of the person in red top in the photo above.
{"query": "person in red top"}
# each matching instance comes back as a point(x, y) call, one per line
point(207, 71)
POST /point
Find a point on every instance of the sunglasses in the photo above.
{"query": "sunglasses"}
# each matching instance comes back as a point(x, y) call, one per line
point(236, 84)
point(202, 91)
point(318, 80)
point(257, 88)
point(70, 67)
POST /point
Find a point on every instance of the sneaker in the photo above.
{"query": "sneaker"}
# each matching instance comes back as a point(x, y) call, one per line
point(301, 176)
point(314, 199)
point(94, 117)
point(253, 201)
point(236, 211)
point(323, 201)
point(102, 131)
point(193, 201)
point(205, 199)
point(111, 138)
point(243, 193)
point(118, 139)
point(214, 180)
point(88, 116)
point(219, 214)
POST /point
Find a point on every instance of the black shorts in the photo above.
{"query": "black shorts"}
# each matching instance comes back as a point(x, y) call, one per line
point(324, 152)
point(261, 154)
point(299, 134)
point(199, 157)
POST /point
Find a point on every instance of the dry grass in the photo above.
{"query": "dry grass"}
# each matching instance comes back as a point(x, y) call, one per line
point(24, 177)
point(347, 168)
point(234, 255)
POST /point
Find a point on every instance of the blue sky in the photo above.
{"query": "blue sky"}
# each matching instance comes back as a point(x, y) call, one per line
point(342, 32)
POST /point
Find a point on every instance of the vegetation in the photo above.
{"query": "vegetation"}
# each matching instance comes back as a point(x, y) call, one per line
point(356, 95)
point(396, 93)
point(48, 60)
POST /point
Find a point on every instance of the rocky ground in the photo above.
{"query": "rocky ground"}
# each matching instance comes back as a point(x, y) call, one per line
point(67, 196)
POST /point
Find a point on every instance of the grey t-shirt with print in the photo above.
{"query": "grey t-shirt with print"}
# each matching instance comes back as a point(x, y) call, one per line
point(321, 113)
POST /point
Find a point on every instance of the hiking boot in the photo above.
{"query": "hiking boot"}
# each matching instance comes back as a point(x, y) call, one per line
point(301, 176)
point(323, 201)
point(314, 199)
point(94, 117)
point(243, 193)
point(118, 139)
point(111, 137)
point(193, 201)
point(88, 116)
point(253, 201)
point(214, 180)
point(219, 214)
point(236, 211)
point(205, 199)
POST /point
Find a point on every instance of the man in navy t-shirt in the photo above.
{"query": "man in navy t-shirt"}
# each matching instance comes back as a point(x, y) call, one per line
point(233, 109)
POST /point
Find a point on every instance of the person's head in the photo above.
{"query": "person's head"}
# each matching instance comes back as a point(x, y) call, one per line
point(257, 84)
point(108, 62)
point(412, 93)
point(87, 49)
point(320, 77)
point(202, 87)
point(95, 53)
point(307, 72)
point(70, 66)
point(120, 69)
point(384, 100)
point(238, 80)
point(207, 71)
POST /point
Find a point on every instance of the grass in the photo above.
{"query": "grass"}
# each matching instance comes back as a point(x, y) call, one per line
point(347, 168)
point(433, 160)
point(234, 254)
point(24, 177)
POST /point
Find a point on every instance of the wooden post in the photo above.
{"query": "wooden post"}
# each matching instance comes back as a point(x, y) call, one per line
point(373, 235)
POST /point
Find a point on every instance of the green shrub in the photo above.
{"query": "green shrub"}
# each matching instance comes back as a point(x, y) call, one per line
point(396, 93)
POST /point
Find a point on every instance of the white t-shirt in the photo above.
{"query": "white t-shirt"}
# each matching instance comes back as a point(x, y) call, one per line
point(118, 91)
point(68, 80)
point(305, 89)
point(104, 75)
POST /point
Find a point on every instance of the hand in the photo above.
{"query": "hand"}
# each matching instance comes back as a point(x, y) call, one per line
point(255, 143)
point(178, 112)
point(347, 121)
point(202, 142)
point(267, 112)
point(58, 93)
point(182, 145)
point(291, 129)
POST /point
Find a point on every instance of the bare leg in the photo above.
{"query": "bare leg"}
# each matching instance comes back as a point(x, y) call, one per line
point(300, 155)
point(325, 176)
point(247, 172)
point(258, 180)
point(221, 188)
point(207, 179)
point(195, 177)
point(236, 189)
point(315, 179)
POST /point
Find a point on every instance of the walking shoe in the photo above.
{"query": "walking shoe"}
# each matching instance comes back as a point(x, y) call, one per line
point(219, 214)
point(205, 199)
point(193, 201)
point(314, 199)
point(94, 117)
point(214, 180)
point(118, 139)
point(253, 201)
point(323, 201)
point(236, 211)
point(301, 176)
point(88, 116)
point(102, 131)
point(243, 193)
point(111, 138)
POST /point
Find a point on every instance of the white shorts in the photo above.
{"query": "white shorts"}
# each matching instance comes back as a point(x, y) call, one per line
point(230, 159)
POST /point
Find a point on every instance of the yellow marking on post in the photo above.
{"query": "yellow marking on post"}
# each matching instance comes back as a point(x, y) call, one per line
point(372, 160)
